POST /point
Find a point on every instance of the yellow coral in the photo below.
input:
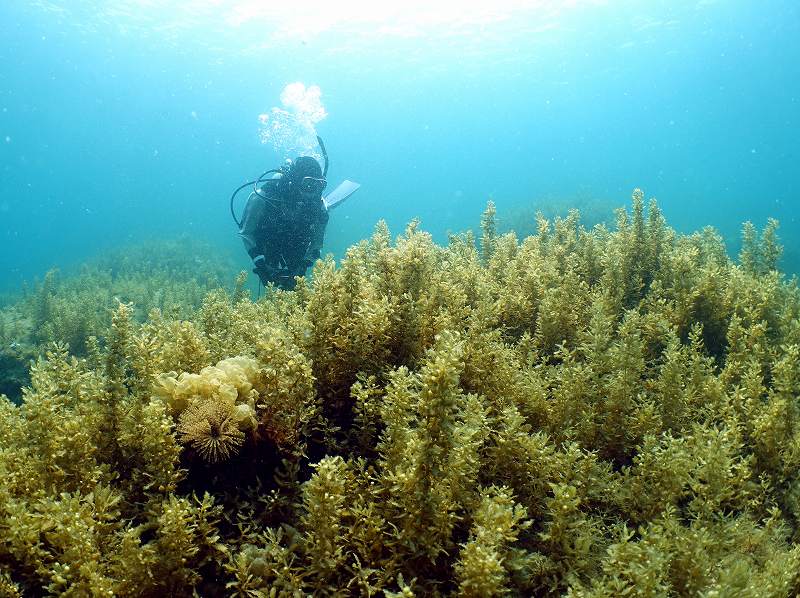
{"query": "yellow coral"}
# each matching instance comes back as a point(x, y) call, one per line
point(229, 381)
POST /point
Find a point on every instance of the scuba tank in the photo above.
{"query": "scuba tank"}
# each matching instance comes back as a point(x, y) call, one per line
point(278, 175)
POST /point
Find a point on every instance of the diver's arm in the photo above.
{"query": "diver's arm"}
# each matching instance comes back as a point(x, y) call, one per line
point(254, 213)
point(252, 232)
point(317, 238)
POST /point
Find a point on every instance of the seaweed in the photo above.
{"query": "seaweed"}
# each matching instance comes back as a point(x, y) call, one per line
point(582, 412)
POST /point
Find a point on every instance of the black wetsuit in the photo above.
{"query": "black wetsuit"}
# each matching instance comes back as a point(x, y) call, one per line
point(287, 231)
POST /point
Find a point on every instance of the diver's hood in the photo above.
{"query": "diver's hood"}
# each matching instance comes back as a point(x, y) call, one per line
point(305, 166)
point(290, 179)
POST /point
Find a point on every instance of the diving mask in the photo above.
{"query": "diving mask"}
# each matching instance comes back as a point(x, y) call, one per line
point(310, 184)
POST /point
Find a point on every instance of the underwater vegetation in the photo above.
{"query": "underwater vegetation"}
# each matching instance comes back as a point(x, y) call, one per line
point(522, 219)
point(589, 413)
point(71, 308)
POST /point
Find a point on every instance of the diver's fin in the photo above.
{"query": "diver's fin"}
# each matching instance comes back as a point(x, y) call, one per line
point(338, 195)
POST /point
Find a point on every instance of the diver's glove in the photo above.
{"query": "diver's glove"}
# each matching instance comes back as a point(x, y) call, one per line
point(309, 259)
point(264, 272)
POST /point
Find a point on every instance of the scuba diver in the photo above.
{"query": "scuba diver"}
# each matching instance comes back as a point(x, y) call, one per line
point(283, 224)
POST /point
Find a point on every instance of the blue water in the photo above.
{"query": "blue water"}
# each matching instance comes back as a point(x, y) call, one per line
point(124, 120)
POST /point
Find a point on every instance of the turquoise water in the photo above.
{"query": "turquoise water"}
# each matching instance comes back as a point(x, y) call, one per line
point(122, 121)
